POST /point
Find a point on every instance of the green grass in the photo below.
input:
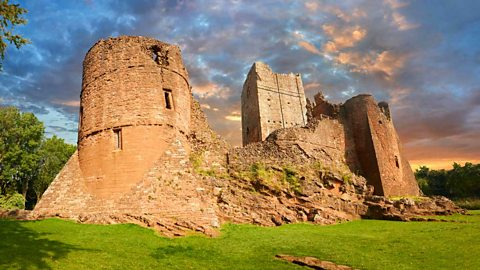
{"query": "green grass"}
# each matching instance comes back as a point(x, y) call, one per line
point(364, 244)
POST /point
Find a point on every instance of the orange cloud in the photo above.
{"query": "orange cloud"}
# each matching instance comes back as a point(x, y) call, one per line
point(398, 19)
point(309, 47)
point(311, 6)
point(311, 86)
point(70, 103)
point(208, 107)
point(342, 37)
point(210, 90)
point(205, 106)
point(234, 116)
point(387, 63)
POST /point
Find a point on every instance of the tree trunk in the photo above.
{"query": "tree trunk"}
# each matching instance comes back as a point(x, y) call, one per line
point(24, 190)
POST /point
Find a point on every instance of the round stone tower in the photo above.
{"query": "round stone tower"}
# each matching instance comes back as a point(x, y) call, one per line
point(135, 102)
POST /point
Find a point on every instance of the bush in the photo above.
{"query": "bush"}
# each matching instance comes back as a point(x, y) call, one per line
point(12, 202)
point(290, 176)
point(469, 203)
point(459, 182)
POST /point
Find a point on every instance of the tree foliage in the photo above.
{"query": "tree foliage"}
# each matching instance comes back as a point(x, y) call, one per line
point(20, 138)
point(459, 182)
point(54, 153)
point(12, 201)
point(11, 15)
point(28, 160)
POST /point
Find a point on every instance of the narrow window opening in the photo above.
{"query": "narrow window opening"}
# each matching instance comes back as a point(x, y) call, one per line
point(155, 50)
point(155, 57)
point(248, 130)
point(80, 116)
point(168, 98)
point(118, 139)
point(396, 162)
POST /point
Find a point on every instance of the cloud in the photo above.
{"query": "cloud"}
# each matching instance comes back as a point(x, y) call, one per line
point(210, 90)
point(69, 103)
point(312, 86)
point(401, 51)
point(234, 116)
point(386, 63)
point(311, 6)
point(402, 23)
point(342, 37)
point(396, 4)
point(309, 47)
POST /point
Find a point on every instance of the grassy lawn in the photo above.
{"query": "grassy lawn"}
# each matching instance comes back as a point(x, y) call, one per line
point(364, 244)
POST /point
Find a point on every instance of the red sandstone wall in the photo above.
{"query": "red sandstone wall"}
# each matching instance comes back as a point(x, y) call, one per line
point(378, 148)
point(251, 128)
point(322, 142)
point(124, 83)
point(275, 101)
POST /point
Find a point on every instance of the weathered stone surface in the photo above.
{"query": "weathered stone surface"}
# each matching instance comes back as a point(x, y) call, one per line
point(408, 209)
point(360, 132)
point(378, 147)
point(132, 163)
point(15, 214)
point(271, 101)
point(135, 101)
point(146, 154)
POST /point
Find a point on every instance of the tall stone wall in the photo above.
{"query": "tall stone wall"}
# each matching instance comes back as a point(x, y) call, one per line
point(372, 146)
point(147, 155)
point(135, 101)
point(271, 101)
point(322, 141)
point(378, 147)
point(132, 163)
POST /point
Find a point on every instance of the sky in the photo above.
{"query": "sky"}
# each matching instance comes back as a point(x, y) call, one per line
point(423, 57)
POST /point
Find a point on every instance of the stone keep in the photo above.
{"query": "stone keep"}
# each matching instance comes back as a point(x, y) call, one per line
point(358, 133)
point(133, 150)
point(270, 101)
point(135, 99)
point(378, 148)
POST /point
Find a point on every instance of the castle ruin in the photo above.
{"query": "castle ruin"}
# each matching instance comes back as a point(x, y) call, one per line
point(366, 138)
point(134, 103)
point(271, 101)
point(147, 155)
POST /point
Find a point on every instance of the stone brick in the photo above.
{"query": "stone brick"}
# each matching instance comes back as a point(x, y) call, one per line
point(271, 101)
point(364, 133)
point(146, 154)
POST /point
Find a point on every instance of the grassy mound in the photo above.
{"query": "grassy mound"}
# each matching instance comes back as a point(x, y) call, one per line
point(363, 244)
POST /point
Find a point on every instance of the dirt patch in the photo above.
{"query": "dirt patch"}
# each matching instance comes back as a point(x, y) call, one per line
point(313, 263)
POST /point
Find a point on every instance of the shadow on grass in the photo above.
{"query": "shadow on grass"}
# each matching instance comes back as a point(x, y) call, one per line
point(23, 248)
point(171, 250)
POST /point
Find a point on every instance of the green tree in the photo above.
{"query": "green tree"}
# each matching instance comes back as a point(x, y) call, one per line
point(21, 135)
point(459, 182)
point(464, 181)
point(54, 153)
point(10, 16)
